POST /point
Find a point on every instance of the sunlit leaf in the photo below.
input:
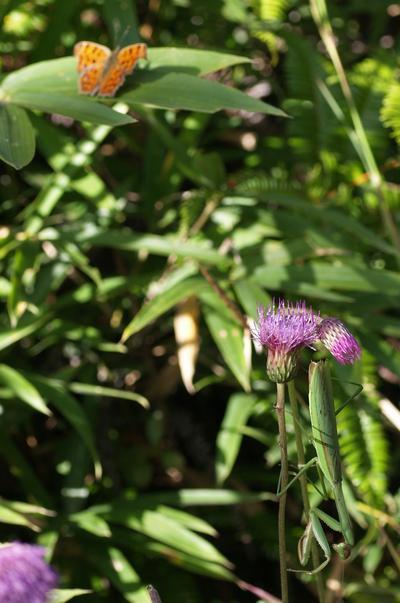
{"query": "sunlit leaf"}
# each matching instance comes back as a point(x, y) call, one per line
point(61, 595)
point(23, 388)
point(17, 137)
point(230, 435)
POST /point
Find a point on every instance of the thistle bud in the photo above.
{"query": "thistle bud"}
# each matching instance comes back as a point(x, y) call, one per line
point(336, 338)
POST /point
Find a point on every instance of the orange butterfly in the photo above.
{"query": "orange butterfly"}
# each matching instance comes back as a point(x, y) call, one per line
point(102, 71)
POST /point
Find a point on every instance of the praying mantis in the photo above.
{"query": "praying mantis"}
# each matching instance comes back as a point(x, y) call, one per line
point(326, 444)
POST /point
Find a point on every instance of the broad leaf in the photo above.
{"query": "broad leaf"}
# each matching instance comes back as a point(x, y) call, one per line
point(230, 435)
point(51, 86)
point(163, 302)
point(17, 137)
point(197, 61)
point(164, 90)
point(116, 567)
point(23, 388)
point(162, 527)
point(132, 241)
point(228, 335)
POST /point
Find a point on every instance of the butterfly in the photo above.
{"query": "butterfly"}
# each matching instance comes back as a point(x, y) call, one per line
point(102, 71)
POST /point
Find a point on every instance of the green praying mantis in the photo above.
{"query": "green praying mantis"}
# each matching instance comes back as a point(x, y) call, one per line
point(326, 443)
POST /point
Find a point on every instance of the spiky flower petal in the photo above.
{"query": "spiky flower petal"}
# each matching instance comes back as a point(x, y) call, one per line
point(339, 341)
point(24, 575)
point(284, 330)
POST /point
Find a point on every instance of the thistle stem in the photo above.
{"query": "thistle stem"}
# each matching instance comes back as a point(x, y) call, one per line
point(301, 459)
point(280, 411)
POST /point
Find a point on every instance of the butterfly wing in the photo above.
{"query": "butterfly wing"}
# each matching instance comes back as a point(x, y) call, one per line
point(123, 64)
point(92, 60)
point(128, 57)
point(90, 53)
point(90, 78)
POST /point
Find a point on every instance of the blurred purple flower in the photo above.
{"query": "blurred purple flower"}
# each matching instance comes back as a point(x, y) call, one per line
point(339, 341)
point(24, 575)
point(285, 329)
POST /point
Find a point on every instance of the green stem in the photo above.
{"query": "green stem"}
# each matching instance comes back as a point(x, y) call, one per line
point(320, 15)
point(301, 459)
point(284, 478)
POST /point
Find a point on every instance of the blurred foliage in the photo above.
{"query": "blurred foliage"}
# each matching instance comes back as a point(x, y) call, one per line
point(135, 241)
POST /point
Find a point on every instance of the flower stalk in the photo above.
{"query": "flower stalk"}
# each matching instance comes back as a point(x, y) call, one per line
point(301, 460)
point(284, 478)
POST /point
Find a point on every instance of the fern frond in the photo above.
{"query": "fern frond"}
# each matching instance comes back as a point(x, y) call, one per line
point(189, 211)
point(369, 98)
point(258, 184)
point(272, 10)
point(313, 122)
point(390, 113)
point(362, 439)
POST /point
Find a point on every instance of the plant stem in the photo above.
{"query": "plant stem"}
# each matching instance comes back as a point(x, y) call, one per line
point(280, 411)
point(360, 141)
point(301, 459)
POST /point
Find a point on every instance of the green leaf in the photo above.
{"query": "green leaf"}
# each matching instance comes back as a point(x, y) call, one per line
point(363, 443)
point(17, 136)
point(196, 524)
point(163, 90)
point(23, 389)
point(323, 275)
point(51, 86)
point(13, 517)
point(115, 566)
point(250, 295)
point(131, 241)
point(230, 435)
point(390, 114)
point(187, 497)
point(188, 562)
point(197, 61)
point(82, 109)
point(166, 529)
point(61, 595)
point(228, 336)
point(98, 390)
point(67, 405)
point(10, 336)
point(91, 523)
point(163, 302)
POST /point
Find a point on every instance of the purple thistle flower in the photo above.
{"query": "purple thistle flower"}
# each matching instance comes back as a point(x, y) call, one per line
point(285, 330)
point(24, 575)
point(339, 341)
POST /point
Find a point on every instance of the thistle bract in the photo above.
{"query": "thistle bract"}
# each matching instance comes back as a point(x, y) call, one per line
point(284, 330)
point(339, 341)
point(24, 575)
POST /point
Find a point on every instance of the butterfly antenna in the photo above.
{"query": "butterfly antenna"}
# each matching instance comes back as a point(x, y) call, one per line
point(119, 38)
